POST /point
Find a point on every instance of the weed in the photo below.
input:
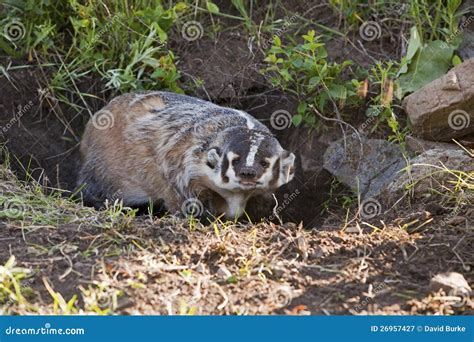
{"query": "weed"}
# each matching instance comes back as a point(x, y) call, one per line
point(11, 279)
point(124, 43)
point(304, 71)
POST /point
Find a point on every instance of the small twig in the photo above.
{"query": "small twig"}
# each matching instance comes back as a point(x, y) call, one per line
point(464, 266)
point(223, 294)
point(275, 210)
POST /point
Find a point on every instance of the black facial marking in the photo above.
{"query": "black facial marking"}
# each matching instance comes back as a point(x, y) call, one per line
point(225, 166)
point(236, 161)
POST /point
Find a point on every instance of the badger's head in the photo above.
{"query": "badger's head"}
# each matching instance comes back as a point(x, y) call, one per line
point(249, 161)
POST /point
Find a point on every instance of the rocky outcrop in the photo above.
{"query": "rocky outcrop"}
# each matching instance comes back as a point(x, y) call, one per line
point(418, 146)
point(444, 109)
point(430, 172)
point(367, 166)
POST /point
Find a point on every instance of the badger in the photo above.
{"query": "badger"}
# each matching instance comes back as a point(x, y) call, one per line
point(181, 151)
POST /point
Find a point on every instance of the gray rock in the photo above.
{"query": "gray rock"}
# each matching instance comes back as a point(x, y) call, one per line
point(466, 26)
point(444, 109)
point(466, 48)
point(450, 281)
point(311, 147)
point(426, 173)
point(416, 145)
point(367, 166)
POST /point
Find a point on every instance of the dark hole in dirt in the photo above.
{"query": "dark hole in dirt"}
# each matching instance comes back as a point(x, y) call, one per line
point(45, 139)
point(42, 137)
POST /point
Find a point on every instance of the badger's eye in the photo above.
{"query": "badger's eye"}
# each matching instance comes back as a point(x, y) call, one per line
point(235, 161)
point(264, 163)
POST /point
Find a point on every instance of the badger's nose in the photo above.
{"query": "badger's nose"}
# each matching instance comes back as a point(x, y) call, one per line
point(248, 173)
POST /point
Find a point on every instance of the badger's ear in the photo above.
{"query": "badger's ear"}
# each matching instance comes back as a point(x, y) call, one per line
point(213, 157)
point(287, 167)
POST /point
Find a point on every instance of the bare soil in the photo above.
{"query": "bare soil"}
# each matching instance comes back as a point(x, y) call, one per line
point(166, 266)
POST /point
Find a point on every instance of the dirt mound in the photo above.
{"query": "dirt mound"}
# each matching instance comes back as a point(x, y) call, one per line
point(116, 263)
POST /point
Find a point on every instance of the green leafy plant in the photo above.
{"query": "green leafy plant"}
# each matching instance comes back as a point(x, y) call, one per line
point(435, 19)
point(304, 71)
point(124, 42)
point(433, 40)
point(423, 63)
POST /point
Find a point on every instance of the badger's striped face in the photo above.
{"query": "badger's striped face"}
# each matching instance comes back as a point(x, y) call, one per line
point(251, 160)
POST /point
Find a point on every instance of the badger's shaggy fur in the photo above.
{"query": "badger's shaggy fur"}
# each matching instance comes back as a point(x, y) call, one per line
point(179, 149)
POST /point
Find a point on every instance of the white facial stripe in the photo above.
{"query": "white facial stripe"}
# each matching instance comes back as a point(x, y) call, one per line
point(254, 146)
point(230, 173)
point(285, 175)
point(250, 124)
point(267, 176)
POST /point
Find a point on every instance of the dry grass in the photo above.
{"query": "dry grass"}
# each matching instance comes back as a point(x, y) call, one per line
point(62, 258)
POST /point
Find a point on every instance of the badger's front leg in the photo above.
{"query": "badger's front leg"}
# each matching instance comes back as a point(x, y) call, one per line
point(173, 201)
